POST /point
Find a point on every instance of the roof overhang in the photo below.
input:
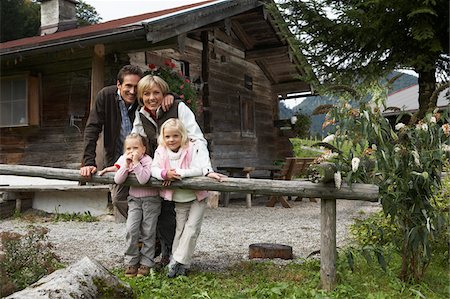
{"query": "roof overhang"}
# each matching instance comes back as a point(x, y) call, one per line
point(247, 20)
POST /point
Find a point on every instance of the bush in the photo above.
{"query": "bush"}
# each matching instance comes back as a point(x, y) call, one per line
point(26, 259)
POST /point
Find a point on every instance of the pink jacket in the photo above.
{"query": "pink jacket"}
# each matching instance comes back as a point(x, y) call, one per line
point(186, 159)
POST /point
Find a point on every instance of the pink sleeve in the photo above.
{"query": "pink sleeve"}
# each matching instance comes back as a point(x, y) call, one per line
point(122, 172)
point(143, 169)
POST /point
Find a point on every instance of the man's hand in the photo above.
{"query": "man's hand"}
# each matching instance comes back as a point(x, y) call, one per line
point(167, 102)
point(217, 176)
point(87, 171)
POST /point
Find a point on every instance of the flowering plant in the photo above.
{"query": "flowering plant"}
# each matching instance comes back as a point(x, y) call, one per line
point(404, 160)
point(178, 83)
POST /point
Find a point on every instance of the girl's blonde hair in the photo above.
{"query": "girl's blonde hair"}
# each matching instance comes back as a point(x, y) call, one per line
point(141, 139)
point(177, 125)
point(149, 82)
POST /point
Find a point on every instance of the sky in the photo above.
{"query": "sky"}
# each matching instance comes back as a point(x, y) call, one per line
point(116, 9)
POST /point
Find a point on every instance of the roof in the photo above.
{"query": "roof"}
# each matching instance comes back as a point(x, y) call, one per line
point(407, 99)
point(247, 20)
point(94, 31)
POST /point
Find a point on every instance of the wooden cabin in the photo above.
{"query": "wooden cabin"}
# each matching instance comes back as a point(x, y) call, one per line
point(232, 49)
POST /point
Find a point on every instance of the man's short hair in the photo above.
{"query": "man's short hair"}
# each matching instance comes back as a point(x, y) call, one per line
point(129, 70)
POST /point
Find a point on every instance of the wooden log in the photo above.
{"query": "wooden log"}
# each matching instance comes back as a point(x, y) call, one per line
point(328, 253)
point(84, 279)
point(254, 186)
point(270, 251)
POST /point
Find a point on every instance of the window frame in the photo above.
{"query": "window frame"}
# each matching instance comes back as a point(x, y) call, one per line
point(32, 100)
point(247, 116)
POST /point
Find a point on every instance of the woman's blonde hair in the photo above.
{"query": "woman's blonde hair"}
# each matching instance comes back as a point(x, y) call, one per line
point(177, 125)
point(148, 82)
point(141, 139)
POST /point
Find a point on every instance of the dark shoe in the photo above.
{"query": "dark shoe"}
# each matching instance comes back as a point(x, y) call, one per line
point(173, 269)
point(143, 271)
point(164, 260)
point(131, 271)
point(176, 269)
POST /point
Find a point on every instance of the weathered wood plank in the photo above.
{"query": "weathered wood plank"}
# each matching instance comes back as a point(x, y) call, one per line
point(328, 253)
point(254, 186)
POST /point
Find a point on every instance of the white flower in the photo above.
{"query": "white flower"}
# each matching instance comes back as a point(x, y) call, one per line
point(399, 126)
point(396, 149)
point(374, 147)
point(433, 120)
point(422, 126)
point(355, 164)
point(338, 180)
point(446, 129)
point(294, 120)
point(416, 157)
point(329, 138)
point(446, 148)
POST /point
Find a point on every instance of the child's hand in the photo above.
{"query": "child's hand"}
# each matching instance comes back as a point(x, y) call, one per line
point(173, 175)
point(136, 156)
point(107, 169)
point(129, 159)
point(218, 176)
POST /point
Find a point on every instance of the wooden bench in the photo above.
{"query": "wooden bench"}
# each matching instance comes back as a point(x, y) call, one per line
point(247, 172)
point(293, 167)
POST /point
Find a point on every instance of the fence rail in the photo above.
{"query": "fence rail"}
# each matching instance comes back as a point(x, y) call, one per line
point(327, 192)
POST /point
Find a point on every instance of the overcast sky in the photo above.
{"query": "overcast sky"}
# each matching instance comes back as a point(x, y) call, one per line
point(116, 9)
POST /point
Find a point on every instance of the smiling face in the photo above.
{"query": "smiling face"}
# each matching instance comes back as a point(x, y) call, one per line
point(152, 97)
point(128, 89)
point(172, 138)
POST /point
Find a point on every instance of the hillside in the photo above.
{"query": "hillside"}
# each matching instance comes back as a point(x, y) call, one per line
point(310, 103)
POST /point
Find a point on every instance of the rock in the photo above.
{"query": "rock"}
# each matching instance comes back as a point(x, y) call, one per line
point(84, 279)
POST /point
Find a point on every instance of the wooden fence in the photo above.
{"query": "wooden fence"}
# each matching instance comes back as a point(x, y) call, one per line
point(327, 192)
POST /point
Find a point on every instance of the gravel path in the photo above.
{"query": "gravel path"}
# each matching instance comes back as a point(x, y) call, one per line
point(225, 237)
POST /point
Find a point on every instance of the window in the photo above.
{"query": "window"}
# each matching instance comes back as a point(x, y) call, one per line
point(19, 101)
point(247, 116)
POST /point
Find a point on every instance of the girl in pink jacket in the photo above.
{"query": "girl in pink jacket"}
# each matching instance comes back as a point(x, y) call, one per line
point(177, 158)
point(144, 206)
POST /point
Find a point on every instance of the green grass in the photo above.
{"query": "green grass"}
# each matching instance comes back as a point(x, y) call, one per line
point(296, 280)
point(302, 152)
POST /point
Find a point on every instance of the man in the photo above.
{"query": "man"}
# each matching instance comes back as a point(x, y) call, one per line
point(113, 114)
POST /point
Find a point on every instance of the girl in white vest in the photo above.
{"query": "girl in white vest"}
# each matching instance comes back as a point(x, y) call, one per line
point(177, 158)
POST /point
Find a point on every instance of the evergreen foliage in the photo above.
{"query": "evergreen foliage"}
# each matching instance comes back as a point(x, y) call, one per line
point(22, 18)
point(18, 19)
point(353, 42)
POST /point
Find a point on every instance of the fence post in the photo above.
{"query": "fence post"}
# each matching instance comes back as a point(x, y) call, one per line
point(328, 253)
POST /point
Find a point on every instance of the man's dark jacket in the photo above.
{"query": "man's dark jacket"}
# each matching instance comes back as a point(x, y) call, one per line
point(106, 116)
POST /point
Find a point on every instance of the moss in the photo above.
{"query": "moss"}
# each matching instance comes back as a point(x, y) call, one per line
point(106, 291)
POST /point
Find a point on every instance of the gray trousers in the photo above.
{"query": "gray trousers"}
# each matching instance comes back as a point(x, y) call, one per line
point(189, 223)
point(141, 221)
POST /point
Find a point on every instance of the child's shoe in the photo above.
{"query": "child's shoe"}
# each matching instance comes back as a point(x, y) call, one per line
point(176, 269)
point(143, 271)
point(131, 270)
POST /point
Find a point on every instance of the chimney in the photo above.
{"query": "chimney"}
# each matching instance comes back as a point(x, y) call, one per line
point(57, 15)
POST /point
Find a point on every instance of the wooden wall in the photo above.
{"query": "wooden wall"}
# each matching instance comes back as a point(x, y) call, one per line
point(64, 91)
point(227, 68)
